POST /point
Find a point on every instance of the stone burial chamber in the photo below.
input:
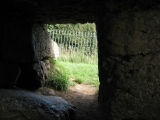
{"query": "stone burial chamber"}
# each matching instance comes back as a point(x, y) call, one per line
point(128, 34)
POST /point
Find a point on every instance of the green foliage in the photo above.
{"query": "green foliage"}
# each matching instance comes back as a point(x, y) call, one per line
point(74, 27)
point(58, 77)
point(64, 74)
point(78, 81)
point(74, 34)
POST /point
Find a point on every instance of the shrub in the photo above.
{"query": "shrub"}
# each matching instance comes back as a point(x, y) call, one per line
point(79, 81)
point(58, 77)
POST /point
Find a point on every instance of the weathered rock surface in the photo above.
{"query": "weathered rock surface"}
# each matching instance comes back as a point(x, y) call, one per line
point(47, 64)
point(33, 75)
point(24, 105)
point(44, 46)
point(130, 79)
point(41, 42)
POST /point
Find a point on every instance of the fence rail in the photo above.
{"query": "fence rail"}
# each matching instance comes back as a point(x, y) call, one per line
point(75, 46)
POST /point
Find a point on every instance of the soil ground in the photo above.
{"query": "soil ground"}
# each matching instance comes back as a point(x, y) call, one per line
point(85, 99)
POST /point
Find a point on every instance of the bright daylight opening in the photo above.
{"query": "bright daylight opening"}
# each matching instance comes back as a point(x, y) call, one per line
point(74, 69)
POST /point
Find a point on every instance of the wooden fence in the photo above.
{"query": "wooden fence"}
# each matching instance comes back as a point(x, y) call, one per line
point(77, 47)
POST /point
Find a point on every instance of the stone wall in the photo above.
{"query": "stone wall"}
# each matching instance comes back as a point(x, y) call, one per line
point(24, 46)
point(129, 56)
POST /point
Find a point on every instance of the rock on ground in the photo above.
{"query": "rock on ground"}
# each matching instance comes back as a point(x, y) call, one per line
point(25, 105)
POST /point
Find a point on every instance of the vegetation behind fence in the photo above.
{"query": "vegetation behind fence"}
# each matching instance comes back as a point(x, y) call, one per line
point(76, 46)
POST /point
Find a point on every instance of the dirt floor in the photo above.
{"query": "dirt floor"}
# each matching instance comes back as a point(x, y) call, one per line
point(84, 98)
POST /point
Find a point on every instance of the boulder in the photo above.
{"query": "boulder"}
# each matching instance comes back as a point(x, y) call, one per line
point(55, 50)
point(42, 42)
point(24, 105)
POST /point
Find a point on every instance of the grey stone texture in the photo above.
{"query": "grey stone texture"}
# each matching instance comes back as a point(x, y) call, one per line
point(24, 105)
point(24, 44)
point(42, 43)
point(129, 73)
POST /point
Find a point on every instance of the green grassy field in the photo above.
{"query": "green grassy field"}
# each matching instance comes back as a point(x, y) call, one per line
point(82, 73)
point(64, 74)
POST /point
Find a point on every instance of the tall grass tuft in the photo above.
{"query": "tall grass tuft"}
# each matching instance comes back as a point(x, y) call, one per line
point(58, 77)
point(77, 57)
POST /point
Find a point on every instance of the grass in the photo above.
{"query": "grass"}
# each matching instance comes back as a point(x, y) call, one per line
point(77, 57)
point(82, 73)
point(58, 77)
point(64, 74)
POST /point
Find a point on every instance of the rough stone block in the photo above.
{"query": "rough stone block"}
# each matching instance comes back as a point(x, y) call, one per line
point(24, 105)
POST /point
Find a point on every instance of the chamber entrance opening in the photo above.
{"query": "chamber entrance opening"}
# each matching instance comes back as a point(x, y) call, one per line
point(78, 61)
